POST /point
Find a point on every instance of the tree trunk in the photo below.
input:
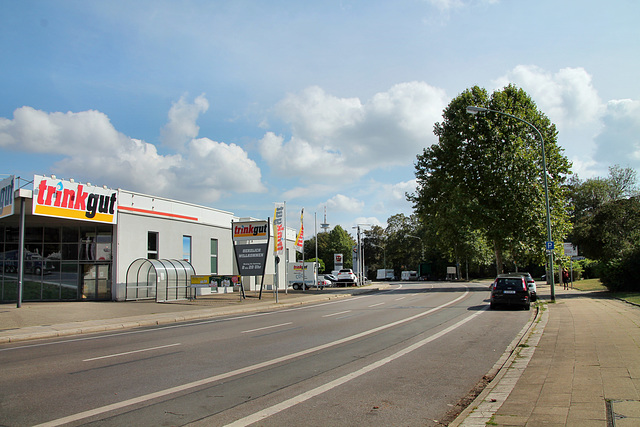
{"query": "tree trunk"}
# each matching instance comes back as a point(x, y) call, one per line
point(498, 251)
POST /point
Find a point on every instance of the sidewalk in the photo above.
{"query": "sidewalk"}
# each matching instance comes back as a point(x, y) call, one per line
point(55, 319)
point(579, 366)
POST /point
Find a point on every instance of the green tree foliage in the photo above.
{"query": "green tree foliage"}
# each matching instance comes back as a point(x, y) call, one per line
point(588, 196)
point(403, 252)
point(606, 214)
point(481, 184)
point(336, 241)
point(375, 250)
point(606, 217)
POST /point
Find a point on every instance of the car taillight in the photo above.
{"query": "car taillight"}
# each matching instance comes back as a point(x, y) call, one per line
point(524, 285)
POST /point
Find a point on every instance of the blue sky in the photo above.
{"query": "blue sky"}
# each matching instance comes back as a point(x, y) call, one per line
point(240, 104)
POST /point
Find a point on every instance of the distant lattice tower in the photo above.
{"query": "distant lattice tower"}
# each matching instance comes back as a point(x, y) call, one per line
point(325, 225)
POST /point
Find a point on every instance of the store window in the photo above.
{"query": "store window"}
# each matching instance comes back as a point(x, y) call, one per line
point(214, 256)
point(60, 262)
point(152, 245)
point(186, 248)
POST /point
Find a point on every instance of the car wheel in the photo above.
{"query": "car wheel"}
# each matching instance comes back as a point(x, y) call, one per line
point(492, 306)
point(527, 307)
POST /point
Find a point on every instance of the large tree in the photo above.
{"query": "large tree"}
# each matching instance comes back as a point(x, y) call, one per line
point(483, 180)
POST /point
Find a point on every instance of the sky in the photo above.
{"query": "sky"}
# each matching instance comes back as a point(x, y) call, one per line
point(323, 105)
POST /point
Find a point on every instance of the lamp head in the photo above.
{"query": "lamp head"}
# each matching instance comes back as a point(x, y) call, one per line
point(471, 109)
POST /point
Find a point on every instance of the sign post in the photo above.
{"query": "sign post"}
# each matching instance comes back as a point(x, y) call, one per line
point(571, 251)
point(251, 257)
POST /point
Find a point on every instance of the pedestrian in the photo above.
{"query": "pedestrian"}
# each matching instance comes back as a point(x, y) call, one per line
point(565, 278)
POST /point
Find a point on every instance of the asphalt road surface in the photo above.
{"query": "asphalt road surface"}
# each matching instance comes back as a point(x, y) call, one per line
point(404, 356)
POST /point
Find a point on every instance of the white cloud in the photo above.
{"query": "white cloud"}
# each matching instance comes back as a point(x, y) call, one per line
point(84, 133)
point(366, 223)
point(567, 97)
point(343, 138)
point(570, 101)
point(300, 158)
point(315, 115)
point(342, 203)
point(445, 5)
point(182, 126)
point(619, 142)
point(305, 192)
point(92, 149)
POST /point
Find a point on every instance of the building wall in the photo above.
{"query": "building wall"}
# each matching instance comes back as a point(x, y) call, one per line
point(140, 214)
point(137, 215)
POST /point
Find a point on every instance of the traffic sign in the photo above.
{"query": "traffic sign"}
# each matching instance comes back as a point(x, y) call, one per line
point(550, 246)
point(570, 249)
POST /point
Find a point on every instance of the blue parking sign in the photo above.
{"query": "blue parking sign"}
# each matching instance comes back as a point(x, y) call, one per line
point(550, 246)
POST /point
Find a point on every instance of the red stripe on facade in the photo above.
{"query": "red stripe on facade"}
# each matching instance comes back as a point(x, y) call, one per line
point(170, 215)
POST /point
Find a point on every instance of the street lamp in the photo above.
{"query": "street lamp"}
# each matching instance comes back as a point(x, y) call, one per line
point(360, 257)
point(475, 110)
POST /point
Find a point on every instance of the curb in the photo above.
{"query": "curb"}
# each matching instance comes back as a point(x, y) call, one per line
point(96, 326)
point(481, 410)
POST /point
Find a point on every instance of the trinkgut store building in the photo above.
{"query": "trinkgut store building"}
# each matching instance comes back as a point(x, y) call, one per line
point(81, 242)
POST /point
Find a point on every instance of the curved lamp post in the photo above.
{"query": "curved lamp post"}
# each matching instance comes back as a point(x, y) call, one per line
point(475, 110)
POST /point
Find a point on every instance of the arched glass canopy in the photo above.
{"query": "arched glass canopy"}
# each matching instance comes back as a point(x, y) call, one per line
point(159, 279)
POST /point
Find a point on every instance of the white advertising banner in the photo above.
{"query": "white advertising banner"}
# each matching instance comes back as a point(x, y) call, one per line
point(67, 199)
point(7, 187)
point(278, 228)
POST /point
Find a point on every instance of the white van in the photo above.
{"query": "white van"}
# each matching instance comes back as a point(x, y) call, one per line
point(409, 275)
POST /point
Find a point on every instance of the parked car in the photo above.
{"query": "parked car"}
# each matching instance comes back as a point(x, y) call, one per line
point(346, 277)
point(531, 284)
point(511, 290)
point(331, 278)
point(321, 283)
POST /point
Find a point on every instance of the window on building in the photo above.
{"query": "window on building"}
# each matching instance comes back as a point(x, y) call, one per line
point(214, 256)
point(152, 245)
point(186, 248)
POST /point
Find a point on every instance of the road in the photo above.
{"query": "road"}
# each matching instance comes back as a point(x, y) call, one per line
point(404, 356)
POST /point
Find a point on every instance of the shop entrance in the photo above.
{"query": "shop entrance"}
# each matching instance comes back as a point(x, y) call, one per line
point(96, 282)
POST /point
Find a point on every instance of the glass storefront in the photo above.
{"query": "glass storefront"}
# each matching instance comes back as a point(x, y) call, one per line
point(61, 262)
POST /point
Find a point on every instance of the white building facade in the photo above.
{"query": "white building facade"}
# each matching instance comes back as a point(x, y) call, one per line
point(80, 240)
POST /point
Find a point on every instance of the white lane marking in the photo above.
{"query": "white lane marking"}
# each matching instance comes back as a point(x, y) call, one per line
point(196, 323)
point(401, 298)
point(187, 324)
point(266, 327)
point(131, 352)
point(335, 314)
point(223, 376)
point(375, 305)
point(267, 412)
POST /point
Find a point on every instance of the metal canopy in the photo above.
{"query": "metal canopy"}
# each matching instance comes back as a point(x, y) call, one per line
point(159, 279)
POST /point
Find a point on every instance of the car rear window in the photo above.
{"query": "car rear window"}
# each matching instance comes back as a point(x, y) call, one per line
point(509, 283)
